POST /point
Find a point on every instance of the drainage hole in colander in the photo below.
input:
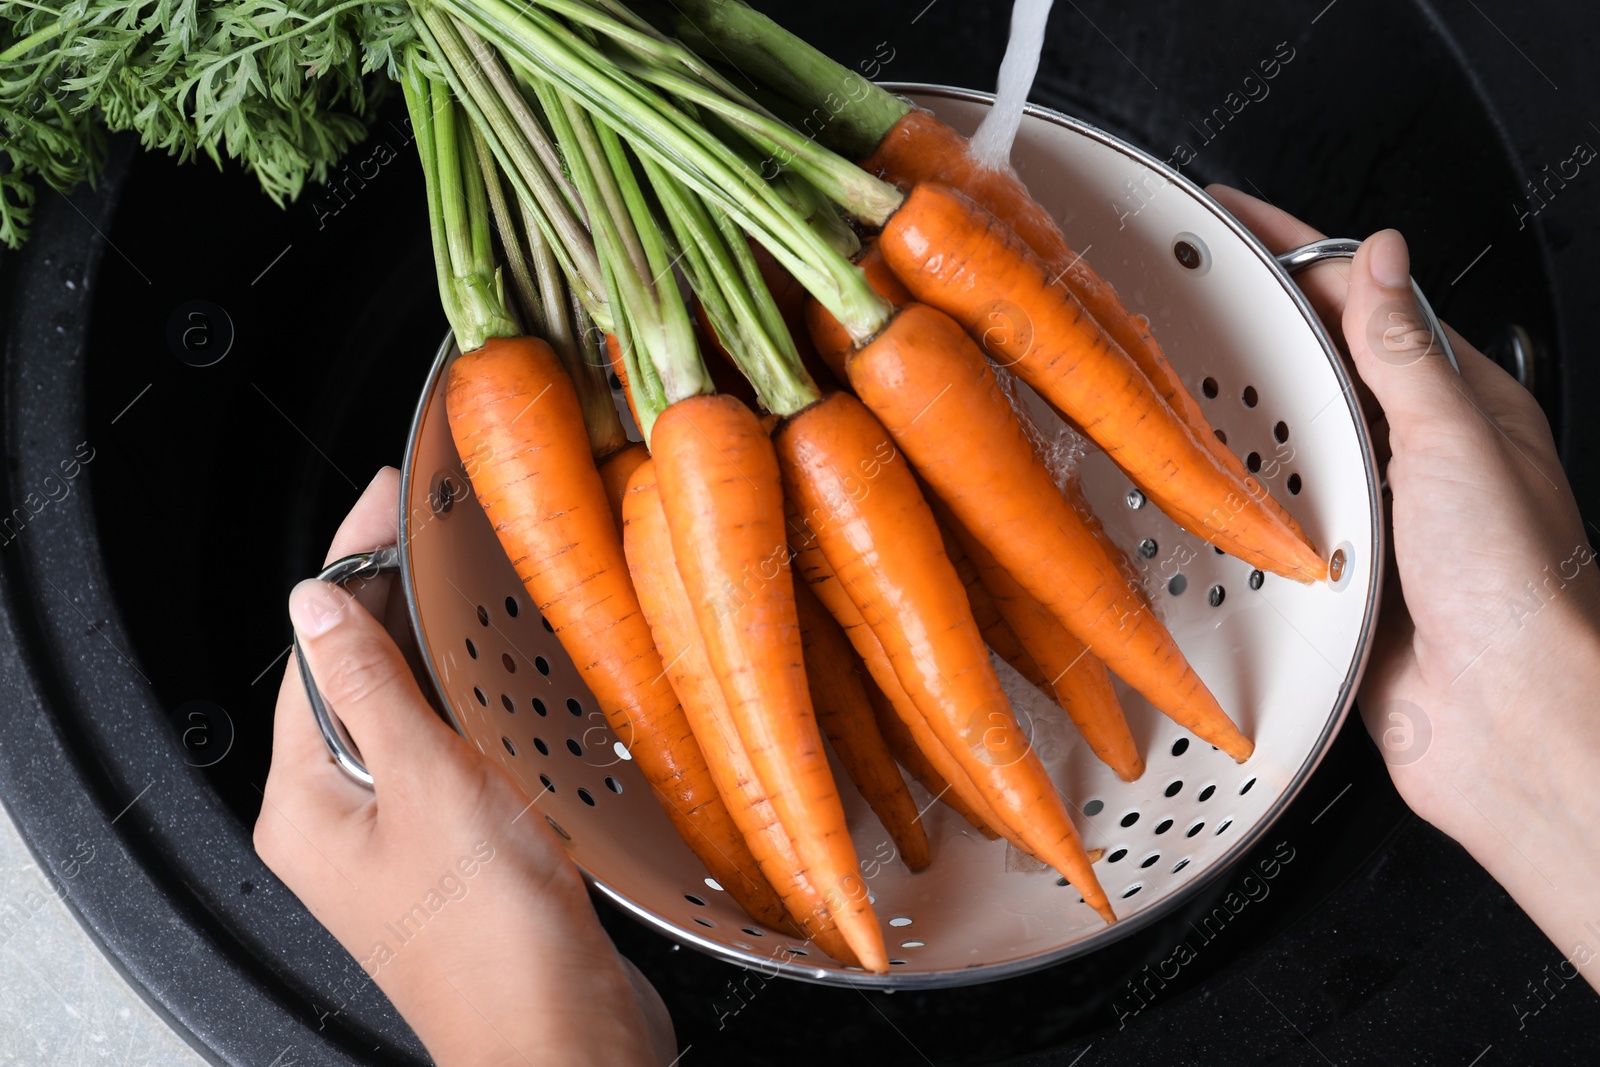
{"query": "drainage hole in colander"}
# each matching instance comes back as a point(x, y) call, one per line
point(550, 787)
point(1150, 860)
point(802, 952)
point(547, 627)
point(1177, 585)
point(1129, 819)
point(1135, 499)
point(1062, 882)
point(912, 944)
point(574, 748)
point(1205, 794)
point(511, 606)
point(561, 833)
point(1094, 807)
point(1148, 548)
point(1221, 436)
point(508, 663)
point(691, 898)
point(506, 741)
point(1243, 789)
point(1209, 388)
point(714, 884)
point(1249, 396)
point(574, 707)
point(538, 706)
point(707, 923)
point(472, 649)
point(1172, 789)
point(1117, 855)
point(1256, 578)
point(507, 703)
point(1216, 595)
point(900, 920)
point(622, 752)
point(544, 749)
point(479, 694)
point(1180, 746)
point(1294, 484)
point(1163, 826)
point(1131, 890)
point(615, 383)
point(1180, 865)
point(1280, 433)
point(541, 664)
point(1218, 551)
point(1252, 462)
point(897, 963)
point(616, 787)
point(483, 615)
point(1196, 828)
point(585, 796)
point(1223, 825)
point(752, 933)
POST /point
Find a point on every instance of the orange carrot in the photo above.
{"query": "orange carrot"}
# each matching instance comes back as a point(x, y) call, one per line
point(517, 425)
point(845, 717)
point(666, 605)
point(931, 377)
point(831, 339)
point(884, 547)
point(817, 574)
point(905, 749)
point(615, 470)
point(719, 484)
point(1070, 672)
point(997, 632)
point(955, 256)
point(920, 148)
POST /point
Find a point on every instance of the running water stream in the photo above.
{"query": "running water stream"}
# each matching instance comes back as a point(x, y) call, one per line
point(991, 145)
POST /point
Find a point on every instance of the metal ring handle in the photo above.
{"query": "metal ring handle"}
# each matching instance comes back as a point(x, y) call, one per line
point(340, 744)
point(1298, 259)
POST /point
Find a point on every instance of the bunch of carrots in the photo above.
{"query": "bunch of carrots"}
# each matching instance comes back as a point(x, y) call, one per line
point(836, 511)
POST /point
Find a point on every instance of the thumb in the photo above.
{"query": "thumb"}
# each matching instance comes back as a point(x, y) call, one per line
point(1395, 353)
point(362, 676)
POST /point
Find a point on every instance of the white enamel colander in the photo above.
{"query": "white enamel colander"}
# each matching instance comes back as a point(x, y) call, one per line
point(1283, 658)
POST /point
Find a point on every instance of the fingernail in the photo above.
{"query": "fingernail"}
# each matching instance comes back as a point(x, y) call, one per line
point(1389, 262)
point(314, 607)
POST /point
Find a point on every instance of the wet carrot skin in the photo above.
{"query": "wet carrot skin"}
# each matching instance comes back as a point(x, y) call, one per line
point(665, 602)
point(720, 487)
point(844, 715)
point(885, 548)
point(920, 750)
point(953, 255)
point(921, 148)
point(924, 374)
point(518, 427)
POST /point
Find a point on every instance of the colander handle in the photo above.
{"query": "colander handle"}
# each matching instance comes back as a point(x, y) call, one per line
point(364, 565)
point(1298, 259)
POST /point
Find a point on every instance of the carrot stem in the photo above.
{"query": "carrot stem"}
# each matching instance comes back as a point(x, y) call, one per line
point(858, 112)
point(458, 218)
point(724, 275)
point(509, 141)
point(551, 51)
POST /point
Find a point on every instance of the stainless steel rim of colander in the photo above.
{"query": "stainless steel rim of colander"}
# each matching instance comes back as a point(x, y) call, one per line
point(1282, 266)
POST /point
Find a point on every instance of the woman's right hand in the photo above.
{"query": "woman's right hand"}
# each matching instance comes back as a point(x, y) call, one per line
point(1485, 670)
